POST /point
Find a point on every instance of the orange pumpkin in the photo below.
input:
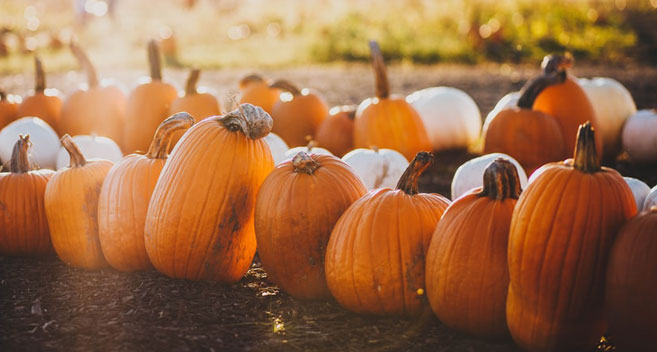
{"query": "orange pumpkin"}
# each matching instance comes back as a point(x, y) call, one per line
point(336, 133)
point(375, 256)
point(257, 91)
point(148, 105)
point(199, 223)
point(8, 108)
point(561, 233)
point(23, 224)
point(388, 121)
point(467, 274)
point(124, 198)
point(45, 103)
point(296, 209)
point(297, 114)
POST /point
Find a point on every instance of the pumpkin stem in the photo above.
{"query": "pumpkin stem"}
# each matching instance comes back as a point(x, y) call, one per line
point(535, 86)
point(20, 162)
point(252, 120)
point(160, 144)
point(382, 86)
point(3, 95)
point(586, 158)
point(39, 76)
point(286, 86)
point(557, 63)
point(501, 181)
point(408, 180)
point(77, 159)
point(85, 63)
point(303, 162)
point(311, 143)
point(154, 60)
point(190, 86)
point(250, 79)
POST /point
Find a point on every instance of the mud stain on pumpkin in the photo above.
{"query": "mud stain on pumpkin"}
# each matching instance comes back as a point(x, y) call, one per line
point(3, 207)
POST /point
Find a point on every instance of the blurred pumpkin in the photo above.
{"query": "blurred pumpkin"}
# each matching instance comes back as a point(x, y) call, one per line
point(508, 101)
point(640, 136)
point(45, 103)
point(336, 133)
point(277, 147)
point(43, 139)
point(297, 114)
point(8, 108)
point(651, 199)
point(640, 191)
point(257, 91)
point(470, 174)
point(311, 147)
point(377, 168)
point(92, 147)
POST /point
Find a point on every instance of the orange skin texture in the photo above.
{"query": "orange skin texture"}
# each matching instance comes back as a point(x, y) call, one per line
point(8, 112)
point(199, 105)
point(375, 258)
point(148, 105)
point(46, 107)
point(199, 224)
point(467, 274)
point(561, 233)
point(295, 213)
point(336, 133)
point(97, 111)
point(260, 94)
point(390, 123)
point(631, 290)
point(298, 118)
point(23, 224)
point(568, 104)
point(72, 208)
point(531, 137)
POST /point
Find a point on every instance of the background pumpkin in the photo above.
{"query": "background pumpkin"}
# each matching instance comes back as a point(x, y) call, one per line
point(377, 168)
point(336, 133)
point(8, 108)
point(44, 140)
point(277, 146)
point(45, 103)
point(640, 191)
point(651, 199)
point(92, 147)
point(508, 101)
point(254, 89)
point(297, 114)
point(640, 136)
point(470, 174)
point(311, 147)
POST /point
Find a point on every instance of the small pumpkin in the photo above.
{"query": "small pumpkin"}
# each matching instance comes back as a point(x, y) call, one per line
point(336, 133)
point(640, 191)
point(125, 195)
point(254, 89)
point(640, 136)
point(92, 147)
point(470, 174)
point(277, 146)
point(297, 114)
point(296, 208)
point(44, 140)
point(388, 121)
point(45, 103)
point(8, 108)
point(71, 201)
point(375, 255)
point(23, 224)
point(311, 147)
point(508, 101)
point(651, 199)
point(377, 168)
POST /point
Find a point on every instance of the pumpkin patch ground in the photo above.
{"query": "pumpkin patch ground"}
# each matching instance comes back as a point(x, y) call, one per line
point(45, 304)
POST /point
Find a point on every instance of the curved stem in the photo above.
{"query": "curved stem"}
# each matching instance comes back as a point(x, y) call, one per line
point(160, 144)
point(585, 158)
point(77, 159)
point(535, 86)
point(382, 86)
point(39, 76)
point(252, 120)
point(20, 162)
point(302, 162)
point(501, 181)
point(408, 180)
point(557, 63)
point(250, 79)
point(192, 80)
point(154, 60)
point(85, 63)
point(286, 86)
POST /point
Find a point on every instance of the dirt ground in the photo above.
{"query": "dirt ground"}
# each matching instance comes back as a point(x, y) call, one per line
point(46, 305)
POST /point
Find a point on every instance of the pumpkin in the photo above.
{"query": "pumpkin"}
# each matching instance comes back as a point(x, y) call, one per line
point(388, 121)
point(148, 104)
point(257, 91)
point(296, 208)
point(71, 201)
point(375, 255)
point(23, 224)
point(309, 148)
point(529, 136)
point(630, 287)
point(450, 116)
point(470, 174)
point(613, 105)
point(467, 274)
point(640, 191)
point(509, 101)
point(8, 108)
point(45, 103)
point(96, 109)
point(92, 147)
point(640, 136)
point(199, 224)
point(651, 199)
point(336, 133)
point(277, 147)
point(44, 140)
point(125, 195)
point(297, 114)
point(561, 232)
point(377, 168)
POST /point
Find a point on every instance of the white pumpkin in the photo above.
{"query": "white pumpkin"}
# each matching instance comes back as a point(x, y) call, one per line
point(45, 141)
point(613, 105)
point(92, 147)
point(451, 118)
point(377, 168)
point(277, 146)
point(639, 189)
point(471, 174)
point(640, 136)
point(651, 199)
point(508, 101)
point(317, 150)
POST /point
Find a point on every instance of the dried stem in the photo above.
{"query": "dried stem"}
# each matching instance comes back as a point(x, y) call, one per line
point(501, 181)
point(535, 86)
point(160, 144)
point(585, 158)
point(20, 161)
point(85, 63)
point(304, 163)
point(154, 60)
point(192, 80)
point(39, 76)
point(408, 181)
point(250, 79)
point(252, 120)
point(77, 159)
point(286, 86)
point(3, 95)
point(382, 85)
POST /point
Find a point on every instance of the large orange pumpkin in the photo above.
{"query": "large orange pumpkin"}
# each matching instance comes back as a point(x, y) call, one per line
point(72, 208)
point(631, 290)
point(199, 223)
point(336, 133)
point(375, 256)
point(124, 198)
point(296, 209)
point(148, 105)
point(257, 91)
point(467, 273)
point(23, 224)
point(297, 114)
point(388, 121)
point(45, 103)
point(8, 108)
point(562, 230)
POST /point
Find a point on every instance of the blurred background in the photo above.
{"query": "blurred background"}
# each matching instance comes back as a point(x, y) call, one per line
point(282, 33)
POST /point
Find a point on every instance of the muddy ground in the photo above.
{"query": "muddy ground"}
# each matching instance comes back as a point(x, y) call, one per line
point(46, 305)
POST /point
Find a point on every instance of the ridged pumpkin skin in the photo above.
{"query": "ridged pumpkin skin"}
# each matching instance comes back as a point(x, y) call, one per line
point(8, 109)
point(124, 198)
point(631, 290)
point(298, 114)
point(296, 209)
point(199, 224)
point(256, 90)
point(23, 224)
point(467, 273)
point(44, 104)
point(561, 233)
point(71, 201)
point(336, 133)
point(375, 258)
